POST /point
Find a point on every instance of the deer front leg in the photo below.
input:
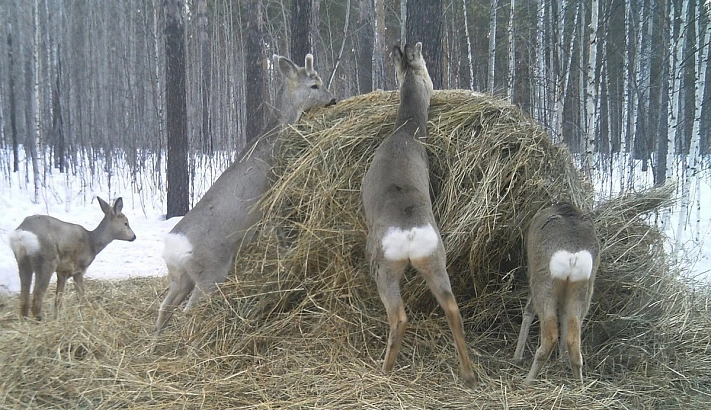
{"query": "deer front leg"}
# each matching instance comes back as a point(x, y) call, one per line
point(59, 294)
point(79, 285)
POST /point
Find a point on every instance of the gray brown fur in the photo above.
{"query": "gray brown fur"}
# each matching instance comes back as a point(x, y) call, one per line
point(224, 218)
point(65, 248)
point(395, 194)
point(554, 301)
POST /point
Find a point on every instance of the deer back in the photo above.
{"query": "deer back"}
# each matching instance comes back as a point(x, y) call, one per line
point(561, 227)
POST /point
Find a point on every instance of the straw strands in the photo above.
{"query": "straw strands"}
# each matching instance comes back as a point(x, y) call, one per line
point(300, 325)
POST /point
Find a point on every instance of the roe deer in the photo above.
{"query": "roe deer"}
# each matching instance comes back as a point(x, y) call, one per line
point(563, 255)
point(44, 245)
point(201, 248)
point(402, 229)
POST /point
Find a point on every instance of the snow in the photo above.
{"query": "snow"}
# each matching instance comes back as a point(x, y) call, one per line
point(71, 198)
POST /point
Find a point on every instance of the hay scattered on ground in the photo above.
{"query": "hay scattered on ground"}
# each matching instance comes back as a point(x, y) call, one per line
point(300, 323)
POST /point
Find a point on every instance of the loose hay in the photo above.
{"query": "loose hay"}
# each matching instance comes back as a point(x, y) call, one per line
point(300, 323)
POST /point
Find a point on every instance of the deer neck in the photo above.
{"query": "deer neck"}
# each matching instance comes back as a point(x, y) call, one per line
point(100, 236)
point(414, 106)
point(285, 112)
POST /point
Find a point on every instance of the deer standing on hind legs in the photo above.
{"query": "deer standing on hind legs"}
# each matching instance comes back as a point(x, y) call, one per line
point(201, 248)
point(402, 229)
point(43, 245)
point(563, 255)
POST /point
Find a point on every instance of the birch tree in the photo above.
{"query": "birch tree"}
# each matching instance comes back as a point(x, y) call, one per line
point(34, 141)
point(675, 74)
point(492, 47)
point(591, 91)
point(511, 53)
point(694, 159)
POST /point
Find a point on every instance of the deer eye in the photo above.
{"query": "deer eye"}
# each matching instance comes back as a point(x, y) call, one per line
point(315, 86)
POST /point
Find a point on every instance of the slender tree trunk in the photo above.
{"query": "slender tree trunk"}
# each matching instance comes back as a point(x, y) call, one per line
point(300, 29)
point(511, 53)
point(403, 21)
point(206, 77)
point(675, 75)
point(57, 120)
point(178, 178)
point(13, 104)
point(492, 47)
point(540, 73)
point(255, 89)
point(380, 48)
point(425, 24)
point(35, 140)
point(366, 38)
point(693, 161)
point(591, 96)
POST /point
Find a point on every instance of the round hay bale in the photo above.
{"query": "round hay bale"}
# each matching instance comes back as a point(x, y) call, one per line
point(492, 168)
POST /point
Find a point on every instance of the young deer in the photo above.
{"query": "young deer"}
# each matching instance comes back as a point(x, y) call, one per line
point(563, 256)
point(44, 245)
point(402, 229)
point(201, 248)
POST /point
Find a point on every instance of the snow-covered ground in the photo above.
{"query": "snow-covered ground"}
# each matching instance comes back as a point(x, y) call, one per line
point(72, 199)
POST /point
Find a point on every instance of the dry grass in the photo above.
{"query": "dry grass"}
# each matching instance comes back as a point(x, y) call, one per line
point(300, 324)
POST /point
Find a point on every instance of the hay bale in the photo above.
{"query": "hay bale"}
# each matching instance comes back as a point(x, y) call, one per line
point(300, 323)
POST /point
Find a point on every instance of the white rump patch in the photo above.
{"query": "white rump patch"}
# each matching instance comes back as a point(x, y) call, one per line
point(574, 266)
point(23, 243)
point(414, 243)
point(177, 249)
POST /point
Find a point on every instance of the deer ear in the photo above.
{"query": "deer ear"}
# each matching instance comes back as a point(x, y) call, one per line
point(118, 205)
point(309, 64)
point(396, 56)
point(287, 68)
point(418, 47)
point(104, 206)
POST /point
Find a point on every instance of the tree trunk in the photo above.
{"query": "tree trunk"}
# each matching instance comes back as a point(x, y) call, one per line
point(492, 47)
point(254, 66)
point(693, 162)
point(13, 105)
point(425, 23)
point(35, 139)
point(300, 29)
point(206, 77)
point(511, 77)
point(178, 179)
point(366, 32)
point(591, 95)
point(380, 48)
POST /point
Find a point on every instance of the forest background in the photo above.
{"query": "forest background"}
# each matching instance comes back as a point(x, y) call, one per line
point(172, 90)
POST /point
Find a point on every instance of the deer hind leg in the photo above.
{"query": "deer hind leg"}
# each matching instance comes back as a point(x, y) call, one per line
point(207, 284)
point(25, 269)
point(43, 273)
point(434, 270)
point(528, 316)
point(576, 306)
point(387, 276)
point(549, 337)
point(180, 286)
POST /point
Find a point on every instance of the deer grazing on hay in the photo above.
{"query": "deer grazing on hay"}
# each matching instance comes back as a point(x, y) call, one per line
point(201, 248)
point(44, 245)
point(402, 229)
point(563, 255)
